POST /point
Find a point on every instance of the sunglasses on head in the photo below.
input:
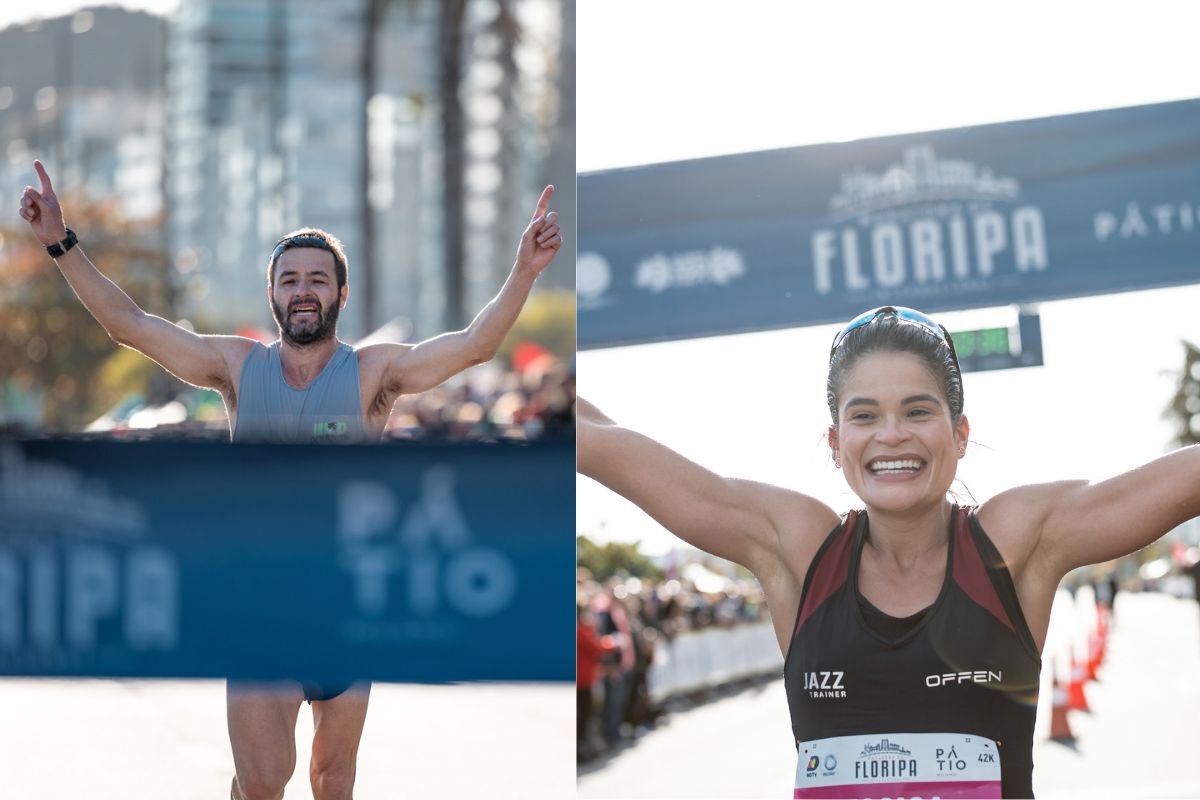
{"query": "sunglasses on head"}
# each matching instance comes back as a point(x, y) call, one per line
point(905, 316)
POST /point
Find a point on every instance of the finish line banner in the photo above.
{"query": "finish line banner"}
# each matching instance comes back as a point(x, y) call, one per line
point(424, 563)
point(989, 215)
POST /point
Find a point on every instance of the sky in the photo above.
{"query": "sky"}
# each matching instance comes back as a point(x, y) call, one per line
point(671, 80)
point(14, 13)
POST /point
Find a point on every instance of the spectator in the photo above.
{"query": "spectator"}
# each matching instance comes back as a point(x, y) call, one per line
point(613, 622)
point(589, 648)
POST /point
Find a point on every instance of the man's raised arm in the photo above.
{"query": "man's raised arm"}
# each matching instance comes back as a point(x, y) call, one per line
point(199, 360)
point(425, 365)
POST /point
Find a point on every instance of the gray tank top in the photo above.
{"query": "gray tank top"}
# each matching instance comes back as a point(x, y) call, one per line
point(328, 410)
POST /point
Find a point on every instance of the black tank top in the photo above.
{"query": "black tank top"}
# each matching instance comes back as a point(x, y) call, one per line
point(969, 666)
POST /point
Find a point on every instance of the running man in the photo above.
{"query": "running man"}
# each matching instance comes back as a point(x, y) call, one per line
point(307, 386)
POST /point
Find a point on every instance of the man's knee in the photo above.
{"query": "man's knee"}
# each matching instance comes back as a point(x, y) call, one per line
point(333, 780)
point(264, 780)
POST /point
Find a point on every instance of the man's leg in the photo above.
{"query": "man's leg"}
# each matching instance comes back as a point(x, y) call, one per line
point(338, 726)
point(262, 731)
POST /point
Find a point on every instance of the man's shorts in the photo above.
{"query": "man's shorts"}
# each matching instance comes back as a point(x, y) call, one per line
point(317, 691)
point(312, 691)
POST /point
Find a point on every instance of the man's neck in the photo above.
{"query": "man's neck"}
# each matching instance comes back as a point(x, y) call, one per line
point(302, 364)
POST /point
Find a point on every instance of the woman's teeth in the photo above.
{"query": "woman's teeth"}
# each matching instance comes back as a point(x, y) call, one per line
point(895, 467)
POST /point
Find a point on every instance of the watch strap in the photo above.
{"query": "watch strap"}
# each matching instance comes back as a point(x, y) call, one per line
point(57, 249)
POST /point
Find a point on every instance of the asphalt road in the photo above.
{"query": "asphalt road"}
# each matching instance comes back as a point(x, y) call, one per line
point(1138, 740)
point(127, 740)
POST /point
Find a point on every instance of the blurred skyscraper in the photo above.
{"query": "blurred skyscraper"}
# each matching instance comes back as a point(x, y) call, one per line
point(235, 121)
point(262, 135)
point(268, 118)
point(84, 93)
point(418, 131)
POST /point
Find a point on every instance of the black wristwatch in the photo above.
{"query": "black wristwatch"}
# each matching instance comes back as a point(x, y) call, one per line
point(56, 250)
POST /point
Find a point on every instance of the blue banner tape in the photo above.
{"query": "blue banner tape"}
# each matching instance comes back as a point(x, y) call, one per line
point(414, 562)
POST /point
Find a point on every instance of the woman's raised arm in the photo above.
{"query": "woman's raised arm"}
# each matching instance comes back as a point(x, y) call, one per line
point(747, 522)
point(1079, 522)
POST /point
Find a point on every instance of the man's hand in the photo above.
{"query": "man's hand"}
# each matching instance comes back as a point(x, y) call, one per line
point(414, 368)
point(41, 210)
point(541, 240)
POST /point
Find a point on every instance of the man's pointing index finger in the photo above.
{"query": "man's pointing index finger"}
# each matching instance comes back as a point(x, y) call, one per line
point(543, 202)
point(41, 171)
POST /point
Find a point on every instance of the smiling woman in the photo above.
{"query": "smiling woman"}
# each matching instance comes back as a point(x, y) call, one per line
point(912, 627)
point(892, 385)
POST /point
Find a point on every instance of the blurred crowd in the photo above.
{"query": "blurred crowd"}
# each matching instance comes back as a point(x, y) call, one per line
point(620, 622)
point(485, 403)
point(491, 404)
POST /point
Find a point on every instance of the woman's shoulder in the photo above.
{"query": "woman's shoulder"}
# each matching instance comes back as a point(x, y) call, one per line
point(1022, 508)
point(801, 524)
point(799, 516)
point(1014, 519)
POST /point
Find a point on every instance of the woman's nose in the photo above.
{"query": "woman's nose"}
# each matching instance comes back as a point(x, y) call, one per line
point(892, 430)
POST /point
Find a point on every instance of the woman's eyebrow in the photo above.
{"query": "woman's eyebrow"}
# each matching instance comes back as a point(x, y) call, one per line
point(916, 398)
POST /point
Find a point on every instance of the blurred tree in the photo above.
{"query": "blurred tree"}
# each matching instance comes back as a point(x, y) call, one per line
point(608, 559)
point(1185, 406)
point(128, 372)
point(548, 319)
point(51, 346)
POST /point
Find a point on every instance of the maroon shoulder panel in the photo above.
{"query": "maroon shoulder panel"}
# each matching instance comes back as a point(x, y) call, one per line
point(831, 570)
point(971, 574)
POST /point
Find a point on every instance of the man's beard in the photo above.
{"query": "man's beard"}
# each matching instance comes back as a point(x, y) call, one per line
point(301, 334)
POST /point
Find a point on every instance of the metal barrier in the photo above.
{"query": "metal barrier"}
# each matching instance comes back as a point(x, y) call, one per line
point(707, 658)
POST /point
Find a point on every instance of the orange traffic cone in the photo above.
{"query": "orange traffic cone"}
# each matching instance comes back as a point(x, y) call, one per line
point(1060, 730)
point(1076, 699)
point(1095, 654)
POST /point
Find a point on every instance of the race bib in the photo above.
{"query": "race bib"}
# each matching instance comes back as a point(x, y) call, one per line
point(899, 765)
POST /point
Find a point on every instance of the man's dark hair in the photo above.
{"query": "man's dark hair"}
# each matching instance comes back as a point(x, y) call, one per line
point(310, 237)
